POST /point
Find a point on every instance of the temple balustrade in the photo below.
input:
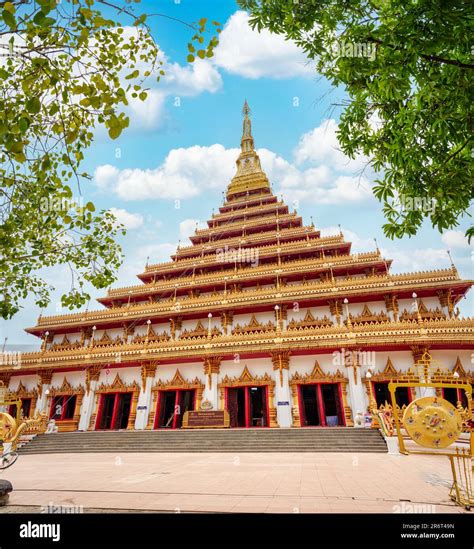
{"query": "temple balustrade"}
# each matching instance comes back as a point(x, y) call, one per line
point(367, 286)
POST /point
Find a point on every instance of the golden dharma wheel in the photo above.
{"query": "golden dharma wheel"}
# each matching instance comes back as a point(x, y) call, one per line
point(432, 422)
point(7, 427)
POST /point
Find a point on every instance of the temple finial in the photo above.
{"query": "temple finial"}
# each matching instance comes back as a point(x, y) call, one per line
point(247, 140)
point(246, 109)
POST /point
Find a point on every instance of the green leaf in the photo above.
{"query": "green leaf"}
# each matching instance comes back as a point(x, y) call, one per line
point(8, 6)
point(9, 19)
point(133, 74)
point(115, 132)
point(33, 105)
point(23, 124)
point(190, 58)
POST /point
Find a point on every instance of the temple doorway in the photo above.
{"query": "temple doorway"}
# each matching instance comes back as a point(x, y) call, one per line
point(454, 395)
point(114, 411)
point(26, 410)
point(247, 406)
point(382, 394)
point(172, 406)
point(320, 405)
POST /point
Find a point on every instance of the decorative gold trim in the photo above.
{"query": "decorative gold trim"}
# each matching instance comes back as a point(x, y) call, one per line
point(92, 374)
point(212, 365)
point(148, 369)
point(281, 361)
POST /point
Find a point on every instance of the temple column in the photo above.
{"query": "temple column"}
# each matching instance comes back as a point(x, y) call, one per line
point(88, 402)
point(281, 364)
point(357, 396)
point(148, 372)
point(44, 385)
point(212, 366)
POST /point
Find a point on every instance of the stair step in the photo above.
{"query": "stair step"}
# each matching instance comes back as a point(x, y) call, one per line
point(339, 439)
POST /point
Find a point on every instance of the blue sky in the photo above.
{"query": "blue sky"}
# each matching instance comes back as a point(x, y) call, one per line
point(182, 144)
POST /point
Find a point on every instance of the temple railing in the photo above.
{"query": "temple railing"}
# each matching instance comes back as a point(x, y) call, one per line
point(251, 240)
point(224, 300)
point(262, 220)
point(271, 207)
point(334, 337)
point(245, 273)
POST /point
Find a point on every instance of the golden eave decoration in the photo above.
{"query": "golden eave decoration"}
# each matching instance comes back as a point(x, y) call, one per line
point(246, 379)
point(66, 389)
point(117, 386)
point(317, 376)
point(178, 382)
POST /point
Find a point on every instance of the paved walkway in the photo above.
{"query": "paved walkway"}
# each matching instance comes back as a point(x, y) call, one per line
point(272, 483)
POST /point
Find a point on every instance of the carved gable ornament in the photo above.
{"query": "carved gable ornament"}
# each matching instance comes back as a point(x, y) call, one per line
point(66, 389)
point(317, 375)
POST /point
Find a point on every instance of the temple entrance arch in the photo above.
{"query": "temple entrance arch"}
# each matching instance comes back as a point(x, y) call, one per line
point(171, 399)
point(28, 401)
point(64, 405)
point(249, 400)
point(320, 399)
point(116, 405)
point(377, 387)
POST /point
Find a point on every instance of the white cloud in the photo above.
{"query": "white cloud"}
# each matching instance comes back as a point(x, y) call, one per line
point(337, 190)
point(184, 174)
point(187, 172)
point(106, 175)
point(127, 219)
point(419, 259)
point(254, 54)
point(188, 226)
point(192, 79)
point(359, 244)
point(321, 145)
point(455, 239)
point(404, 260)
point(178, 80)
point(147, 114)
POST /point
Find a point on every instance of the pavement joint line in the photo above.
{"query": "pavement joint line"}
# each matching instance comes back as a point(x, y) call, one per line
point(207, 494)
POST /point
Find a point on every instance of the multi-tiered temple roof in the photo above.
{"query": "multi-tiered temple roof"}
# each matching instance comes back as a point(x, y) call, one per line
point(256, 256)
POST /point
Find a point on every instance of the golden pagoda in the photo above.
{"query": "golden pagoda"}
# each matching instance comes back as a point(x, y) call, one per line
point(259, 316)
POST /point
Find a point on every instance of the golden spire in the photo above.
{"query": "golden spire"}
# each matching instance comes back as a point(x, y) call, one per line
point(246, 143)
point(249, 176)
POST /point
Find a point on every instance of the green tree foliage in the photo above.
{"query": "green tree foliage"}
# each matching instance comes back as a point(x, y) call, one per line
point(66, 68)
point(407, 67)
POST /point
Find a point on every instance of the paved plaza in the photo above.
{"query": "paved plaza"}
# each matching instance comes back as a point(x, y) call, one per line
point(260, 483)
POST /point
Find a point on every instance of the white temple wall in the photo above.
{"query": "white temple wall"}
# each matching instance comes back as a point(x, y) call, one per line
point(127, 375)
point(30, 382)
point(75, 378)
point(448, 358)
point(256, 366)
point(166, 372)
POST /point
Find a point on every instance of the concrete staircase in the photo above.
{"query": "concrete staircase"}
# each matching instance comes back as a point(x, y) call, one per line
point(338, 439)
